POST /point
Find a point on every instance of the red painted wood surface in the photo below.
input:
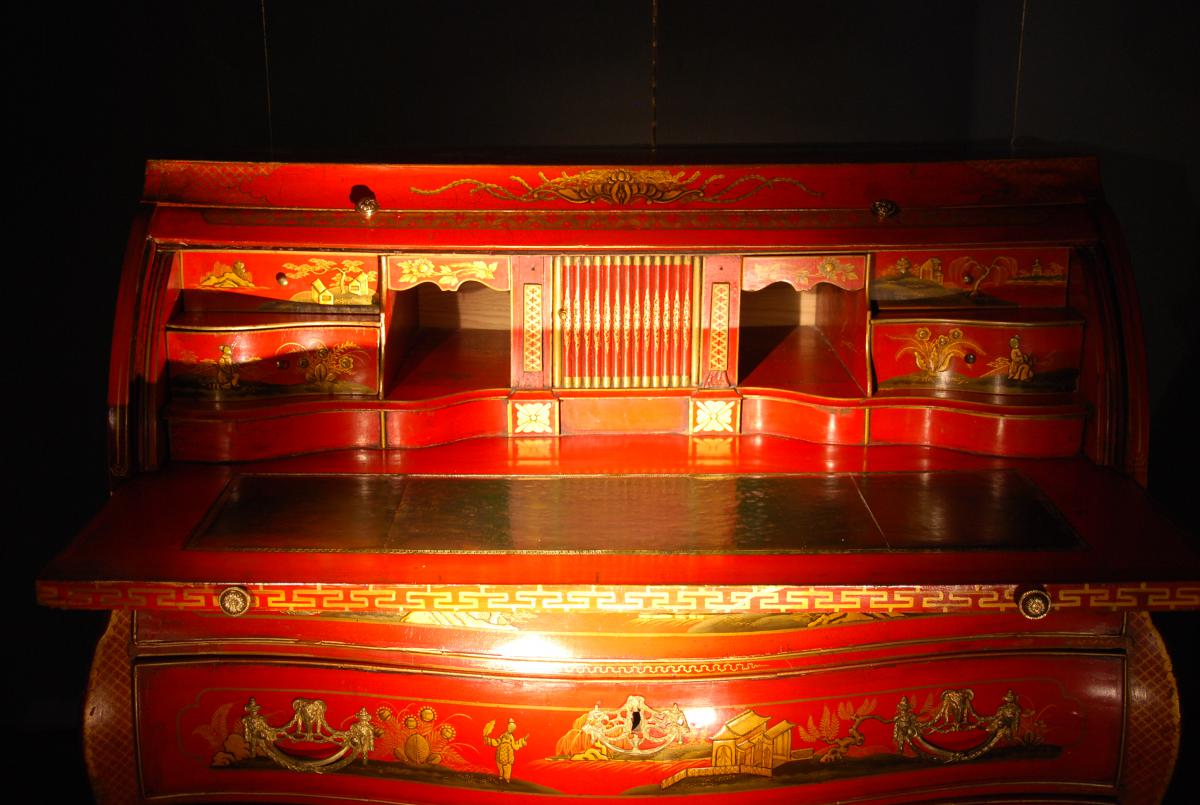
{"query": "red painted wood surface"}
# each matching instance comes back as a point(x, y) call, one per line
point(582, 413)
point(795, 640)
point(1038, 435)
point(845, 271)
point(751, 216)
point(843, 320)
point(533, 314)
point(797, 359)
point(811, 420)
point(1027, 355)
point(837, 678)
point(720, 321)
point(439, 363)
point(1065, 729)
point(1000, 275)
point(1101, 505)
point(239, 358)
point(447, 271)
point(625, 322)
point(462, 386)
point(446, 420)
point(198, 435)
point(244, 279)
point(240, 433)
point(486, 187)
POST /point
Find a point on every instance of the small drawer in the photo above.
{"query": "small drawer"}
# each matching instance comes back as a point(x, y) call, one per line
point(1014, 357)
point(971, 278)
point(248, 280)
point(224, 361)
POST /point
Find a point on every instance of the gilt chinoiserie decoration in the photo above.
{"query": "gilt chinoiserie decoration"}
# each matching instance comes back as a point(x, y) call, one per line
point(803, 483)
point(447, 272)
point(620, 186)
point(411, 739)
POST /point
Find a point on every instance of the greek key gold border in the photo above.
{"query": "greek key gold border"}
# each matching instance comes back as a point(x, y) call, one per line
point(584, 599)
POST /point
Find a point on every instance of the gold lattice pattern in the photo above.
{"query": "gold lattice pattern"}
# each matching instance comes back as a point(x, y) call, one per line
point(532, 329)
point(108, 723)
point(180, 179)
point(1152, 733)
point(718, 348)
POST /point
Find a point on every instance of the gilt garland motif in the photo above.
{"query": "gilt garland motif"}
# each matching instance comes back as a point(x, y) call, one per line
point(647, 747)
point(620, 187)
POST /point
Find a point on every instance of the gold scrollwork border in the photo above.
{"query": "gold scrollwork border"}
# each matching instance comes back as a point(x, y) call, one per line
point(623, 186)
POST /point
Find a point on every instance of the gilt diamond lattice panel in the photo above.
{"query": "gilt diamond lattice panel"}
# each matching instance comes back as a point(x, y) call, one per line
point(532, 329)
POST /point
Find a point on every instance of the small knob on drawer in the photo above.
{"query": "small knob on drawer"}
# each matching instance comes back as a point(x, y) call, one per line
point(234, 601)
point(1034, 603)
point(969, 358)
point(884, 208)
point(364, 201)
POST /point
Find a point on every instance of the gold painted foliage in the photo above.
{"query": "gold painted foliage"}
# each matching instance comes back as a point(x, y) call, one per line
point(828, 730)
point(415, 736)
point(933, 354)
point(621, 186)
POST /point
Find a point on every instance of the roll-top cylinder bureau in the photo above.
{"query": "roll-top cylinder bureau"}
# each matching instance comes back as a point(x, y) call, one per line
point(753, 483)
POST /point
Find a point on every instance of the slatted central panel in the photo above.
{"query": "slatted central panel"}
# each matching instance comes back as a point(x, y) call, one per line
point(626, 321)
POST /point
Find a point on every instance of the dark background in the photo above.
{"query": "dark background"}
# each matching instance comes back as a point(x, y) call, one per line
point(95, 91)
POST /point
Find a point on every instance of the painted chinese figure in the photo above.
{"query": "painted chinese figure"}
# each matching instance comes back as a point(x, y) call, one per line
point(506, 747)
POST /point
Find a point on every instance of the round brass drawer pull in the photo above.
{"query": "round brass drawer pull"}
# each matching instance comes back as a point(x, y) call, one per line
point(364, 201)
point(885, 208)
point(1034, 604)
point(234, 601)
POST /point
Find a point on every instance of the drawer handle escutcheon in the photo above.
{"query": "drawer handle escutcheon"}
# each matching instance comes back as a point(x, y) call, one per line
point(234, 601)
point(364, 201)
point(1034, 603)
point(885, 208)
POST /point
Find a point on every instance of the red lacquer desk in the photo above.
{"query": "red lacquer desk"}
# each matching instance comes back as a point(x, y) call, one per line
point(780, 483)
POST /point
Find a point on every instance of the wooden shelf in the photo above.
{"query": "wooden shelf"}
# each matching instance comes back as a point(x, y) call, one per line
point(794, 358)
point(442, 362)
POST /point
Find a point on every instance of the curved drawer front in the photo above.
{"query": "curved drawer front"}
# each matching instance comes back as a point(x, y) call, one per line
point(953, 721)
point(997, 357)
point(268, 361)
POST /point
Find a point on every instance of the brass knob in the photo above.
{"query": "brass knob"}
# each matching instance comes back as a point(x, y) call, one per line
point(234, 601)
point(884, 208)
point(364, 201)
point(281, 278)
point(1034, 603)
